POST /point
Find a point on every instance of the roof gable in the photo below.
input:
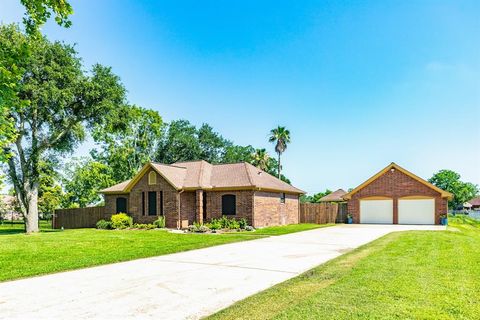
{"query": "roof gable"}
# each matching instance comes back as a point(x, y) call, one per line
point(195, 175)
point(395, 166)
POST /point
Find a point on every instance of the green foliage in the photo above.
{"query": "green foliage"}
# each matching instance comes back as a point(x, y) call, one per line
point(198, 228)
point(104, 224)
point(242, 223)
point(121, 221)
point(212, 144)
point(127, 139)
point(449, 180)
point(56, 102)
point(261, 159)
point(182, 141)
point(315, 198)
point(14, 52)
point(226, 223)
point(82, 181)
point(160, 222)
point(144, 226)
point(39, 11)
point(50, 192)
point(235, 153)
point(214, 225)
point(281, 137)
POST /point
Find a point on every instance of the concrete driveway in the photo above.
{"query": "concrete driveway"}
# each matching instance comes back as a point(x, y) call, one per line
point(185, 285)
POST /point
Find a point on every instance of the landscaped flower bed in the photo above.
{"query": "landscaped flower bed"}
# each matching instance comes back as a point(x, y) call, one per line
point(221, 225)
point(122, 221)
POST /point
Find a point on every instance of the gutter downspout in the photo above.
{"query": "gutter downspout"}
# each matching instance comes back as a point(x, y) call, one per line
point(179, 224)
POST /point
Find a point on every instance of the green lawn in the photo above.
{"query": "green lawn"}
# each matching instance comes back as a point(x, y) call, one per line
point(410, 275)
point(279, 230)
point(54, 250)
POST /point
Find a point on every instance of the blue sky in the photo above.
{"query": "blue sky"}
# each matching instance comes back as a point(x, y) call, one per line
point(358, 83)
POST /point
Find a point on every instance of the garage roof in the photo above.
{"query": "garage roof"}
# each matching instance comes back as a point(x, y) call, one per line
point(393, 165)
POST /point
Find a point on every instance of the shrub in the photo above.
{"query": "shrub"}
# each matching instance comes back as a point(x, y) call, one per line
point(227, 223)
point(215, 225)
point(160, 222)
point(145, 226)
point(203, 228)
point(243, 223)
point(104, 224)
point(121, 221)
point(198, 228)
point(234, 225)
point(249, 228)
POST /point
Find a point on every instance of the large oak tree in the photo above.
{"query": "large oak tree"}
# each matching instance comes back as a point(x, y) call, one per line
point(56, 101)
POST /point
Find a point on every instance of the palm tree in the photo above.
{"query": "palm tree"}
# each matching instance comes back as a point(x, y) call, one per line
point(260, 159)
point(281, 136)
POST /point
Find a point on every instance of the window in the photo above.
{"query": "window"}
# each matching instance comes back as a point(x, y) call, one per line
point(282, 197)
point(152, 203)
point(143, 203)
point(121, 204)
point(152, 178)
point(229, 206)
point(204, 206)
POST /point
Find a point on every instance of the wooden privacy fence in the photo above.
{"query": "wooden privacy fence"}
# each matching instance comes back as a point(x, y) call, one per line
point(342, 212)
point(78, 217)
point(318, 212)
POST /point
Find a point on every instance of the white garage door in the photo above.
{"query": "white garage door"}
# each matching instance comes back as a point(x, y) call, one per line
point(376, 211)
point(416, 211)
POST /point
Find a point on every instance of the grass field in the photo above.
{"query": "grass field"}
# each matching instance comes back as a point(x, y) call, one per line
point(279, 230)
point(408, 275)
point(54, 250)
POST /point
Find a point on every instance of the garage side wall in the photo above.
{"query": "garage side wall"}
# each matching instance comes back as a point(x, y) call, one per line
point(396, 185)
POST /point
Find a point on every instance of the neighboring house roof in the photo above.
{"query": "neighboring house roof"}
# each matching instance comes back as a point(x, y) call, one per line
point(336, 196)
point(193, 175)
point(475, 201)
point(395, 166)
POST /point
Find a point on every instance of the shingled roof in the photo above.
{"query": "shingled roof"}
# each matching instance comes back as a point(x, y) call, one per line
point(336, 196)
point(475, 201)
point(195, 175)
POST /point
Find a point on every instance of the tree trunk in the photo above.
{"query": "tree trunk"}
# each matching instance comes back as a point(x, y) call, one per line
point(31, 215)
point(279, 166)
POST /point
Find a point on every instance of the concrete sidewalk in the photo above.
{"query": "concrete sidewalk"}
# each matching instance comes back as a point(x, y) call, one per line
point(186, 285)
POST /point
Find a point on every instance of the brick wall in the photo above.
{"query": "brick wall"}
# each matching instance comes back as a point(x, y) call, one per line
point(395, 185)
point(259, 208)
point(134, 201)
point(269, 211)
point(244, 204)
point(187, 206)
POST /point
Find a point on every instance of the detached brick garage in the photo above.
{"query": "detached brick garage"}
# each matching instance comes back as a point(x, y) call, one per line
point(397, 196)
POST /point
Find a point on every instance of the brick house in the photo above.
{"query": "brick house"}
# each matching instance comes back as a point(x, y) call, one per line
point(198, 191)
point(397, 196)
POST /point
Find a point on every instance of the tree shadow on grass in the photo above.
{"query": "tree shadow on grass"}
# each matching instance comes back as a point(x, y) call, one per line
point(18, 227)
